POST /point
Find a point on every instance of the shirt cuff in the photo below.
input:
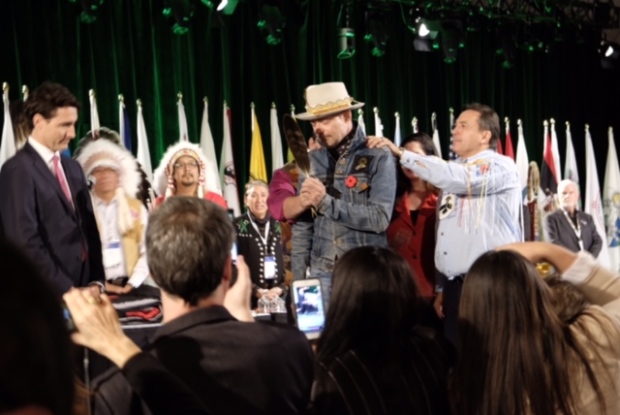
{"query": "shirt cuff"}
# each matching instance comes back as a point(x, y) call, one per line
point(581, 268)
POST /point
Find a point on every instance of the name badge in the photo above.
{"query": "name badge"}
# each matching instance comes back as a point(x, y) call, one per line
point(112, 255)
point(270, 267)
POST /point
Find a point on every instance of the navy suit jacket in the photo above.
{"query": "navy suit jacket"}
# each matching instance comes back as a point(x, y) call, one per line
point(37, 216)
point(562, 233)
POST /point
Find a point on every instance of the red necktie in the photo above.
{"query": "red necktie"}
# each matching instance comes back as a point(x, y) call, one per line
point(60, 176)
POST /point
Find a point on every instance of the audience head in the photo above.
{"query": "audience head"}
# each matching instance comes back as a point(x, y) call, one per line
point(36, 352)
point(420, 143)
point(256, 194)
point(52, 111)
point(475, 130)
point(569, 194)
point(188, 244)
point(374, 303)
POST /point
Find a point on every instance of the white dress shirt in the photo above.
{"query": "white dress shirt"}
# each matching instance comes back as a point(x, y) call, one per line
point(48, 155)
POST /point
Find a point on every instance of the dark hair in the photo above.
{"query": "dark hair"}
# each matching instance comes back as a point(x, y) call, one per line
point(188, 241)
point(374, 304)
point(403, 184)
point(568, 302)
point(522, 355)
point(36, 352)
point(488, 121)
point(46, 99)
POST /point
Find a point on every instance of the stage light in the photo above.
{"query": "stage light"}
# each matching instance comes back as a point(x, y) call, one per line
point(181, 11)
point(89, 10)
point(452, 39)
point(425, 32)
point(227, 7)
point(609, 54)
point(346, 43)
point(346, 34)
point(271, 23)
point(376, 32)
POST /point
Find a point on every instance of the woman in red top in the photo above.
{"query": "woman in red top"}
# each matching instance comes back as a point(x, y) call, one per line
point(412, 230)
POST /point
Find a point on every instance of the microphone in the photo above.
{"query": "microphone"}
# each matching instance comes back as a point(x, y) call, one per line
point(90, 182)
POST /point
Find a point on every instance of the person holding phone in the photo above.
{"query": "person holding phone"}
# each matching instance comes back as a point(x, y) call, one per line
point(259, 240)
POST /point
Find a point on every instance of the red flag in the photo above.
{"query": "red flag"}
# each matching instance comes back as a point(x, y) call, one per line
point(509, 150)
point(549, 181)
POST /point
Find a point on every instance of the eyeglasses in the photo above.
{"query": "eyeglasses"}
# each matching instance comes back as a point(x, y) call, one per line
point(192, 165)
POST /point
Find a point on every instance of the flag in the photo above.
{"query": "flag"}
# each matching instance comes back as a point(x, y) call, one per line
point(227, 167)
point(522, 158)
point(143, 154)
point(124, 128)
point(360, 120)
point(378, 124)
point(183, 135)
point(397, 138)
point(570, 169)
point(593, 198)
point(277, 159)
point(7, 146)
point(289, 154)
point(509, 150)
point(555, 152)
point(207, 146)
point(549, 177)
point(94, 114)
point(414, 125)
point(452, 155)
point(611, 201)
point(436, 134)
point(499, 149)
point(258, 167)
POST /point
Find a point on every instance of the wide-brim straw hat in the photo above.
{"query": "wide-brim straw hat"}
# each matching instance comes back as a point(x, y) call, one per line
point(327, 99)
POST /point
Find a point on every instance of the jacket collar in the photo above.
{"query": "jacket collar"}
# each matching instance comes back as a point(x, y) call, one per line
point(200, 316)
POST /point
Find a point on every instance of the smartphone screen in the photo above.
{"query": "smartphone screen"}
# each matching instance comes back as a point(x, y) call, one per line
point(309, 307)
point(233, 256)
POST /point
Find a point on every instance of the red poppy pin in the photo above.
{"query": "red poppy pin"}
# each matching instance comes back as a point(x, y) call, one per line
point(351, 181)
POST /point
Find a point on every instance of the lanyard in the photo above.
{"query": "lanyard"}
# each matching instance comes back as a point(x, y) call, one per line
point(265, 238)
point(576, 229)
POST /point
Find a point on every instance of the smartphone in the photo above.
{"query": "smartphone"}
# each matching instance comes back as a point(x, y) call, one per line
point(233, 256)
point(66, 314)
point(309, 307)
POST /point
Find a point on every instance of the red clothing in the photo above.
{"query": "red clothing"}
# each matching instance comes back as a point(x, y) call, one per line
point(416, 243)
point(210, 196)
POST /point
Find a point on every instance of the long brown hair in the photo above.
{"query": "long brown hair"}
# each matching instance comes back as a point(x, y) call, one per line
point(516, 357)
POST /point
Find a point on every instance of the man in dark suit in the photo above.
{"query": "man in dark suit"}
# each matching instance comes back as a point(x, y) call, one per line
point(45, 205)
point(234, 367)
point(570, 227)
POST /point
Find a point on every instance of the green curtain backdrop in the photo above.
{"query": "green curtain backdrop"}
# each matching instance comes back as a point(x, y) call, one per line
point(130, 49)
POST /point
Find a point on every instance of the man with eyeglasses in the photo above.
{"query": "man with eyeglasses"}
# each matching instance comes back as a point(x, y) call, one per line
point(185, 170)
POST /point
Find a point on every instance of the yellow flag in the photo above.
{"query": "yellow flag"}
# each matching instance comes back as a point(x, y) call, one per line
point(258, 167)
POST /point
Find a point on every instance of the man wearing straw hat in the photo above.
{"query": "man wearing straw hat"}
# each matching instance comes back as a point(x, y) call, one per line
point(351, 186)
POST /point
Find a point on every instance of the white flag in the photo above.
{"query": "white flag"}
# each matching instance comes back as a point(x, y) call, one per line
point(570, 169)
point(522, 160)
point(360, 121)
point(436, 134)
point(94, 114)
point(593, 198)
point(183, 135)
point(277, 158)
point(378, 125)
point(7, 146)
point(143, 154)
point(556, 152)
point(227, 168)
point(206, 143)
point(611, 200)
point(397, 138)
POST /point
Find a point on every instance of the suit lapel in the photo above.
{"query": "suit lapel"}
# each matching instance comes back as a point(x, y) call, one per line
point(47, 175)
